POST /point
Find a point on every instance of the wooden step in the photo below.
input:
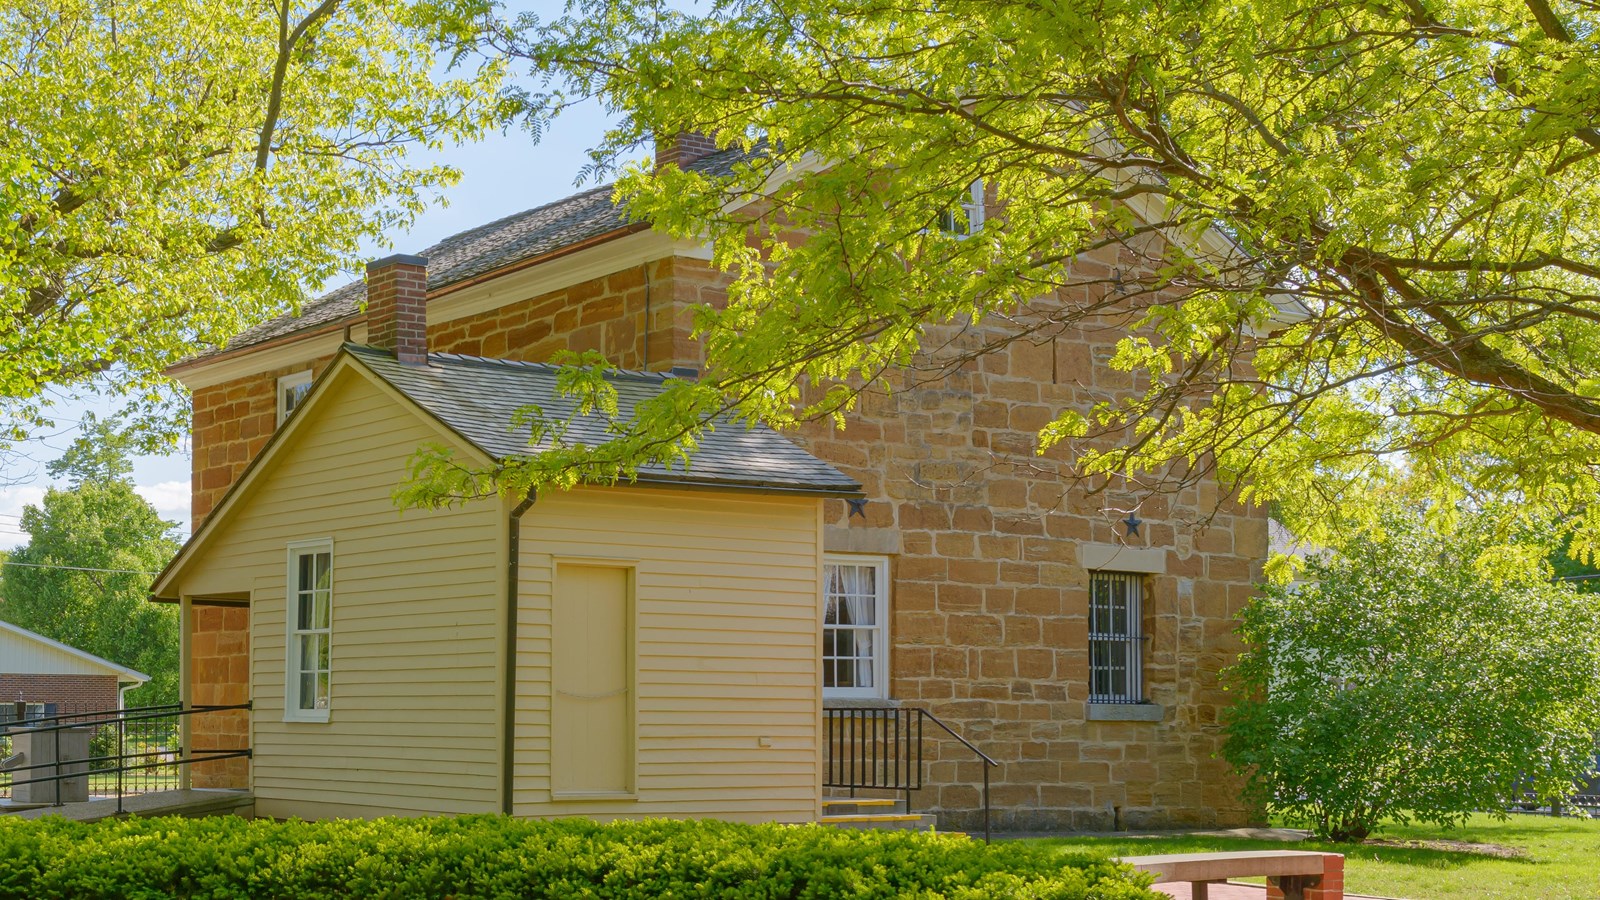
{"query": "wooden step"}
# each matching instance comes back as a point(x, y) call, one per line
point(890, 821)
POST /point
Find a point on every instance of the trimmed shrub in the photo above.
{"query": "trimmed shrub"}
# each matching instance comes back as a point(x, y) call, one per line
point(496, 857)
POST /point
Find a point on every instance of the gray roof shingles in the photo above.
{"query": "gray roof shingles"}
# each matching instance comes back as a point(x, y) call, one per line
point(477, 251)
point(477, 398)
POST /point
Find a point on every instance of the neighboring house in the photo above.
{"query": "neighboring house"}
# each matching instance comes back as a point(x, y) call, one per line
point(51, 678)
point(1080, 653)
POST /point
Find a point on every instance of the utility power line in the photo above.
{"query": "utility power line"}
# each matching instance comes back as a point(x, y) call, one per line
point(81, 568)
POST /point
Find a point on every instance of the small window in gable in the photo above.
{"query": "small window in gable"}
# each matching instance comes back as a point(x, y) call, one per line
point(964, 217)
point(292, 389)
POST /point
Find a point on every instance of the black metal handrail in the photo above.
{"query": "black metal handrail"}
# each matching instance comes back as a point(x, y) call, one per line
point(95, 715)
point(880, 748)
point(119, 718)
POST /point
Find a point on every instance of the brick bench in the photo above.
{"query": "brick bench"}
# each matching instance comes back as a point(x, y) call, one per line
point(1291, 874)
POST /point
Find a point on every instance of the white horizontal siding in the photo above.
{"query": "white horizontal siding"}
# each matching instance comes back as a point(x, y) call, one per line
point(20, 655)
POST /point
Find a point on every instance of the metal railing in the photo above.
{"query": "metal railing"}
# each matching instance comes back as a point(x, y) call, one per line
point(131, 751)
point(881, 748)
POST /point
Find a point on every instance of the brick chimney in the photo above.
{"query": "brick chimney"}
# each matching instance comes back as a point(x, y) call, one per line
point(397, 312)
point(683, 148)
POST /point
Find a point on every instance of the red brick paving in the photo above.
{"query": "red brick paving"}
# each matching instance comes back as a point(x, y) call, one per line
point(1218, 891)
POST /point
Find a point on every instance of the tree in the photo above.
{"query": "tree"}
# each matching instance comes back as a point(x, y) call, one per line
point(1367, 231)
point(1569, 567)
point(1416, 673)
point(99, 454)
point(173, 173)
point(83, 578)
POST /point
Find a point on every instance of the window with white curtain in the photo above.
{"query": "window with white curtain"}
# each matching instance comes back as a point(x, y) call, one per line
point(308, 692)
point(855, 652)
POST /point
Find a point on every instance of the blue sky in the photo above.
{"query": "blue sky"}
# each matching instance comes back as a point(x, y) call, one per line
point(499, 176)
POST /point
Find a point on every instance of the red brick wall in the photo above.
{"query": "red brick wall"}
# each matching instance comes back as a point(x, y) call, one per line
point(219, 659)
point(683, 148)
point(397, 297)
point(74, 693)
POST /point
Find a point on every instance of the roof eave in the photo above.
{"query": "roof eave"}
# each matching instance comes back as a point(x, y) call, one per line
point(123, 673)
point(200, 362)
point(664, 480)
point(345, 359)
point(343, 322)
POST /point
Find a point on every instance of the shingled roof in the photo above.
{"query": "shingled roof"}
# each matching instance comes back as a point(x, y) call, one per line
point(478, 251)
point(477, 398)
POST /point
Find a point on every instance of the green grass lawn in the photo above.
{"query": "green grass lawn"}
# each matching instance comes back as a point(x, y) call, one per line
point(1561, 861)
point(134, 782)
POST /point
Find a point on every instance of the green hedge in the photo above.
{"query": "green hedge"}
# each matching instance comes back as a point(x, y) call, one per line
point(489, 856)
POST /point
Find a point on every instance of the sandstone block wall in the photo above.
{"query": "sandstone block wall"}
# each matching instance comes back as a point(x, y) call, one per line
point(989, 608)
point(605, 314)
point(234, 420)
point(989, 598)
point(219, 659)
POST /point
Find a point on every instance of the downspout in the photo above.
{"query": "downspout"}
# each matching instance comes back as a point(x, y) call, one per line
point(508, 724)
point(645, 268)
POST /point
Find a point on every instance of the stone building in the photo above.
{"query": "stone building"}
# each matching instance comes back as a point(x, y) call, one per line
point(1077, 639)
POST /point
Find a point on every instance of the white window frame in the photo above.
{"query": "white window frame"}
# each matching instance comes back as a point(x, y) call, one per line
point(972, 205)
point(291, 680)
point(880, 628)
point(1126, 635)
point(286, 385)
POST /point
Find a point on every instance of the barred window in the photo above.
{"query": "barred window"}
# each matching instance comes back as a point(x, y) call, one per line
point(1116, 639)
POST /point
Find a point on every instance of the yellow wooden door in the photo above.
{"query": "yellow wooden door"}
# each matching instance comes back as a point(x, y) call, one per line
point(591, 712)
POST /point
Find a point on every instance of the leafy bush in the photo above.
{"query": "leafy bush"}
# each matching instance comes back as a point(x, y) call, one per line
point(491, 856)
point(1415, 674)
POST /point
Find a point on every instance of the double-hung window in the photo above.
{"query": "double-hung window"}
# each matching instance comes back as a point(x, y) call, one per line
point(310, 619)
point(1116, 638)
point(965, 216)
point(855, 626)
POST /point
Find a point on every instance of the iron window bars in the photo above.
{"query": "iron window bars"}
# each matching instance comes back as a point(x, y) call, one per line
point(1116, 639)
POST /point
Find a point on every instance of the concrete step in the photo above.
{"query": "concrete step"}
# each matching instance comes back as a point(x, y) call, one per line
point(889, 821)
point(192, 803)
